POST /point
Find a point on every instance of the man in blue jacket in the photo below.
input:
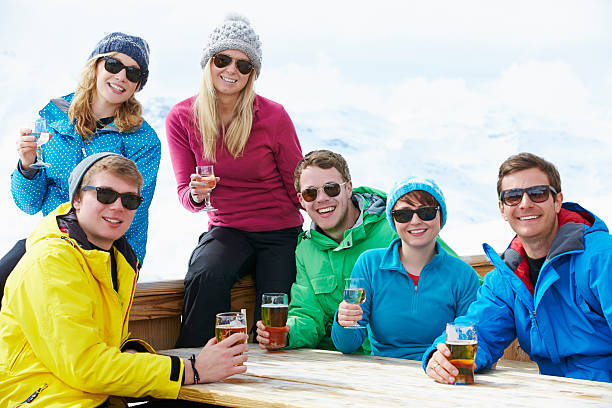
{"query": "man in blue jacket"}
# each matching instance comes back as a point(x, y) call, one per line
point(552, 287)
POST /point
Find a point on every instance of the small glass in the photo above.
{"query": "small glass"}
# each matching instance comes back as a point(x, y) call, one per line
point(42, 136)
point(206, 176)
point(354, 293)
point(274, 312)
point(462, 342)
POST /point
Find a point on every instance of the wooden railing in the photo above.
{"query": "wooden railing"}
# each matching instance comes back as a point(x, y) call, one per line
point(156, 311)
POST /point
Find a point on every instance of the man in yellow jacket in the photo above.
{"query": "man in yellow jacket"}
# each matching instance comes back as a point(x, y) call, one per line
point(65, 311)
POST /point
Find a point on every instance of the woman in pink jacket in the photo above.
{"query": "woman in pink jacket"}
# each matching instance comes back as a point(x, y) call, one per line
point(253, 146)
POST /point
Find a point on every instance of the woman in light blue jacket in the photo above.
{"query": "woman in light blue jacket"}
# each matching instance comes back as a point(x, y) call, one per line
point(101, 116)
point(413, 287)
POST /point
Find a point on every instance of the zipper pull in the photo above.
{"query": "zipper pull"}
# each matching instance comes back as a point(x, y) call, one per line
point(83, 151)
point(535, 318)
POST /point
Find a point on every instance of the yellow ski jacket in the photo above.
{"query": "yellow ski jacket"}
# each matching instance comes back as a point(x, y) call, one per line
point(62, 324)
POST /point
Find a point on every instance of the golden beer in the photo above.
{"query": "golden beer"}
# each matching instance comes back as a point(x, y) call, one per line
point(274, 317)
point(223, 331)
point(462, 356)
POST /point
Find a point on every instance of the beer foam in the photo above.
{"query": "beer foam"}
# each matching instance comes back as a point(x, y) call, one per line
point(276, 305)
point(461, 342)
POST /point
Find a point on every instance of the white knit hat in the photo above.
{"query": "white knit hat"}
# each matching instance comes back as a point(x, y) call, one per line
point(235, 33)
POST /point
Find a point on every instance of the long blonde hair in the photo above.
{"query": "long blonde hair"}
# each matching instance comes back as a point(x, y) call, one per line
point(128, 117)
point(206, 117)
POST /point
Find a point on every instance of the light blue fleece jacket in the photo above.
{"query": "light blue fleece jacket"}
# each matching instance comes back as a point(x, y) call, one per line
point(403, 319)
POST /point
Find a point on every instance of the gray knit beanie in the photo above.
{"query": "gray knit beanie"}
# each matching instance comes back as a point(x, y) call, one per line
point(235, 33)
point(74, 181)
point(130, 45)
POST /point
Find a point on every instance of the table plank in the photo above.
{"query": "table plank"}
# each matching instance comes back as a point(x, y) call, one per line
point(315, 378)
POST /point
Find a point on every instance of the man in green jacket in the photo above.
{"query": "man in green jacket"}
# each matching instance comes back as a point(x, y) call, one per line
point(345, 223)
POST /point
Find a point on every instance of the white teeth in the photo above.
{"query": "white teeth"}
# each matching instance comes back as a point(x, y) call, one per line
point(416, 231)
point(116, 87)
point(325, 210)
point(529, 217)
point(112, 220)
point(231, 81)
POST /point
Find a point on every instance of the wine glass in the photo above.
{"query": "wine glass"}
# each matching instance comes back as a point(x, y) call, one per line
point(354, 293)
point(42, 136)
point(206, 176)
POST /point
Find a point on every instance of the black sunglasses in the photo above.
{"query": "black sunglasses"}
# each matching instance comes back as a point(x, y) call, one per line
point(114, 66)
point(129, 201)
point(222, 61)
point(331, 189)
point(537, 194)
point(405, 214)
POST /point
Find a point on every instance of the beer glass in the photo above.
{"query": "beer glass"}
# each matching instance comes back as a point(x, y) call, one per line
point(206, 176)
point(462, 342)
point(274, 311)
point(229, 323)
point(354, 293)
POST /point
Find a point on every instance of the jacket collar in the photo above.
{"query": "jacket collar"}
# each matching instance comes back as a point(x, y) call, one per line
point(68, 224)
point(573, 221)
point(391, 260)
point(56, 113)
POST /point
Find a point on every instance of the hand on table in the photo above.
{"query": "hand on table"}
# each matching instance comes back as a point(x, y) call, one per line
point(217, 361)
point(439, 368)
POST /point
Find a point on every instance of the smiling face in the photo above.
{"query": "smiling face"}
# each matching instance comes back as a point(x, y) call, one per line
point(104, 223)
point(536, 224)
point(417, 233)
point(228, 81)
point(333, 215)
point(114, 89)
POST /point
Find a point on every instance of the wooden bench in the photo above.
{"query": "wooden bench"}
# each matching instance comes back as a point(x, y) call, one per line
point(156, 310)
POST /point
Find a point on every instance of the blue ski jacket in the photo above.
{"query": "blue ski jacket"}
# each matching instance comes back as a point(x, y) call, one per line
point(49, 187)
point(564, 324)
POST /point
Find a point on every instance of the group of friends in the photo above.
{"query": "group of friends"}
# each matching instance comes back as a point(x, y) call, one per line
point(64, 338)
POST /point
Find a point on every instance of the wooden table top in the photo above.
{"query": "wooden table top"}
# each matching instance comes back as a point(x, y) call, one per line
point(307, 378)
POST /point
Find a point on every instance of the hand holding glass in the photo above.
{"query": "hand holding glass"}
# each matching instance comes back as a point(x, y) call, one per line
point(274, 312)
point(462, 342)
point(42, 136)
point(206, 176)
point(354, 293)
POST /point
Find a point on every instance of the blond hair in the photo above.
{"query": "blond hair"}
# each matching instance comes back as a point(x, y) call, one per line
point(207, 120)
point(128, 116)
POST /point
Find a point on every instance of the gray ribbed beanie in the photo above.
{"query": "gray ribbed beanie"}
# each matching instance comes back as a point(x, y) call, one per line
point(235, 33)
point(130, 45)
point(74, 181)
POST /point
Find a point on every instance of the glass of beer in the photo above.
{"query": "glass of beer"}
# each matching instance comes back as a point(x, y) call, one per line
point(354, 293)
point(274, 311)
point(462, 342)
point(229, 323)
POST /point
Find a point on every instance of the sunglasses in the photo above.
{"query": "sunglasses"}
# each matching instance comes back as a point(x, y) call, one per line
point(331, 189)
point(405, 214)
point(129, 201)
point(222, 61)
point(114, 66)
point(537, 194)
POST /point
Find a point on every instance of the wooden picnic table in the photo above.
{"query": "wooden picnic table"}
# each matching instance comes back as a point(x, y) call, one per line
point(308, 378)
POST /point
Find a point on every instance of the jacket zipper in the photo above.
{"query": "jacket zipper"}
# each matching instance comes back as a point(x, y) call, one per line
point(535, 318)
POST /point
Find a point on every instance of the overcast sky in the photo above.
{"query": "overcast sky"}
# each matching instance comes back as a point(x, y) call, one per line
point(435, 72)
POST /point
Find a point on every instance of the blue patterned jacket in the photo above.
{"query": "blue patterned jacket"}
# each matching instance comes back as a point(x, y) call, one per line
point(49, 187)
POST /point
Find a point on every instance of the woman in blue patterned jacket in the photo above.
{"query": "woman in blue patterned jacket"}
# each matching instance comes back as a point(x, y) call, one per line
point(101, 116)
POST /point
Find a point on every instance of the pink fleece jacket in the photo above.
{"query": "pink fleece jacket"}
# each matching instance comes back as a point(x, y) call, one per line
point(255, 191)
